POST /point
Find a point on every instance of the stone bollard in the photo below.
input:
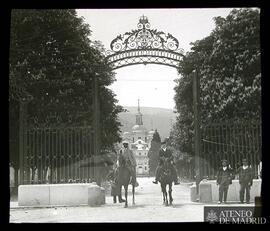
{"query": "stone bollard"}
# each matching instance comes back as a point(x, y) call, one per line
point(205, 192)
point(94, 192)
point(193, 193)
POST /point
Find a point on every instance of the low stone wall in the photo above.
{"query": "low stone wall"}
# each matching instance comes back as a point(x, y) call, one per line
point(208, 191)
point(234, 188)
point(61, 195)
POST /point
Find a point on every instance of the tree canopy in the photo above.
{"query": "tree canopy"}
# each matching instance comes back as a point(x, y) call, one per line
point(229, 65)
point(53, 59)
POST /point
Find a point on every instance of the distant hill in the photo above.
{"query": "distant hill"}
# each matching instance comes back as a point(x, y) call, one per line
point(153, 118)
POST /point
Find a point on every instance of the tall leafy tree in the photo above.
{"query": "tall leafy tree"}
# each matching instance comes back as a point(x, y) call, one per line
point(228, 62)
point(54, 60)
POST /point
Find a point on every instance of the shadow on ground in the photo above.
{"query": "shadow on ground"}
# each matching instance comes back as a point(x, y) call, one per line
point(176, 206)
point(130, 206)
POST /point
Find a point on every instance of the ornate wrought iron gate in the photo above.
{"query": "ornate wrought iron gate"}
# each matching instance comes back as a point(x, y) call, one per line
point(57, 154)
point(144, 46)
point(231, 141)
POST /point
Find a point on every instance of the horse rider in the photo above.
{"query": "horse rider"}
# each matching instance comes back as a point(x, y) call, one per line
point(165, 152)
point(127, 155)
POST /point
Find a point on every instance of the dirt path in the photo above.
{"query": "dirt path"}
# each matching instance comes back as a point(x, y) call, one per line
point(148, 208)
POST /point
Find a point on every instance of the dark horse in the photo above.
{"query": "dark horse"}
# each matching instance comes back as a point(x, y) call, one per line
point(166, 178)
point(124, 179)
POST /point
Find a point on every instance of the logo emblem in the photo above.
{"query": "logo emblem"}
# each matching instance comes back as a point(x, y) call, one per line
point(211, 217)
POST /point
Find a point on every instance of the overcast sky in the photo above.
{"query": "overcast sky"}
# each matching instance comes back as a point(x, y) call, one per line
point(152, 84)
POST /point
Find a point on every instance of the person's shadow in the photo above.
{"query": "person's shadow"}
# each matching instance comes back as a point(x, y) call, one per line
point(131, 206)
point(176, 206)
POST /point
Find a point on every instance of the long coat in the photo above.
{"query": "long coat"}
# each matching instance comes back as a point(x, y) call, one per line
point(167, 154)
point(245, 175)
point(115, 188)
point(128, 156)
point(228, 175)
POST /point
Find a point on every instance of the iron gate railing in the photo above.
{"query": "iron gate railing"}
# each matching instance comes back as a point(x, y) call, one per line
point(231, 141)
point(57, 154)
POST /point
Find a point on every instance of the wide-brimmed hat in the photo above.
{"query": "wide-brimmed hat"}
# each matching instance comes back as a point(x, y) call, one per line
point(125, 142)
point(224, 160)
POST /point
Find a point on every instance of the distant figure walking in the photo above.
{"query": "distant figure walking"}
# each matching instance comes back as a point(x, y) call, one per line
point(115, 188)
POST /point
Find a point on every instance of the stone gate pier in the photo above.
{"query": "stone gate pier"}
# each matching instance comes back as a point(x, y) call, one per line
point(208, 191)
point(61, 195)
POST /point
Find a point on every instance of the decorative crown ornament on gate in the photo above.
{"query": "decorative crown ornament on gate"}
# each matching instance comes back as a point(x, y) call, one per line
point(144, 46)
point(144, 38)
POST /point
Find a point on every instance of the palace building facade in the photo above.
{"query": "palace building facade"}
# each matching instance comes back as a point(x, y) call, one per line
point(140, 142)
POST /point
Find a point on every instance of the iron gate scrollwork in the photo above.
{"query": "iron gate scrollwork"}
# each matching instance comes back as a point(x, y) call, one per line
point(144, 46)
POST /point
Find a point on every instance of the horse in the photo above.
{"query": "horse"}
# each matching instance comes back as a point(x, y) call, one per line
point(124, 180)
point(166, 178)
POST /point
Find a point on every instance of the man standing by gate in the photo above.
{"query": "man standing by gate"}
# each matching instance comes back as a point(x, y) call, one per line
point(245, 180)
point(224, 179)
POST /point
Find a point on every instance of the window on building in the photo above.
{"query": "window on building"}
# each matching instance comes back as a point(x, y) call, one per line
point(139, 138)
point(145, 168)
point(145, 139)
point(139, 153)
point(133, 139)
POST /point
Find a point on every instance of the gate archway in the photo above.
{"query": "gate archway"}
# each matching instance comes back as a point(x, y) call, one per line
point(140, 46)
point(150, 46)
point(144, 46)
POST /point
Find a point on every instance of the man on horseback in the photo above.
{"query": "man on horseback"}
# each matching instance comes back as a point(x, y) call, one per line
point(165, 152)
point(127, 156)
